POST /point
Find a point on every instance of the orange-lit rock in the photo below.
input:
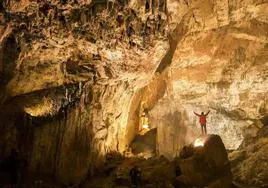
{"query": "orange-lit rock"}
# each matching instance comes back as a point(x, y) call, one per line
point(205, 166)
point(75, 77)
point(219, 64)
point(69, 73)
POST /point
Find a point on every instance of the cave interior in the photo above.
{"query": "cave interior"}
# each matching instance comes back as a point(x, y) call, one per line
point(92, 89)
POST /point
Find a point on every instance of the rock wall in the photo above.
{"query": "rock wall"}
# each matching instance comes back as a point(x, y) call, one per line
point(219, 64)
point(75, 76)
point(71, 73)
point(206, 165)
point(249, 162)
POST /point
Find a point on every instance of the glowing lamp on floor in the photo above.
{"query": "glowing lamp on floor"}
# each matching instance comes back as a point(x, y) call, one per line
point(198, 143)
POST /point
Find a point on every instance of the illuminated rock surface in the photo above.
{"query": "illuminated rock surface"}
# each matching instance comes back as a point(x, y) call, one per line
point(206, 165)
point(75, 77)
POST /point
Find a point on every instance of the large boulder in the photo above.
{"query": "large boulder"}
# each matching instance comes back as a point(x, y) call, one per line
point(250, 162)
point(205, 164)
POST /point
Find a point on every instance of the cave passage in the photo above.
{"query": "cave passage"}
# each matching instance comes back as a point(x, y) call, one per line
point(133, 93)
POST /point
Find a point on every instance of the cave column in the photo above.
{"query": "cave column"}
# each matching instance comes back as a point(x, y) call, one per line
point(165, 6)
point(157, 4)
point(150, 6)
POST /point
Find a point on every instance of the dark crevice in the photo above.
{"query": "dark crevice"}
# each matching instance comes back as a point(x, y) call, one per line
point(173, 42)
point(10, 52)
point(147, 6)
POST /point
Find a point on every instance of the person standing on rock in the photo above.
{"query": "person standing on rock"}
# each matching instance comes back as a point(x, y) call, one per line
point(203, 121)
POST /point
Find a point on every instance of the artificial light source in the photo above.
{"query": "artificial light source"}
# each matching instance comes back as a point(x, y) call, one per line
point(145, 126)
point(198, 142)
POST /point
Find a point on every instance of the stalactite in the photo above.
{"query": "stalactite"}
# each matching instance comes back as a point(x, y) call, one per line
point(153, 6)
point(147, 6)
point(66, 94)
point(80, 88)
point(165, 6)
point(69, 98)
point(80, 114)
point(84, 96)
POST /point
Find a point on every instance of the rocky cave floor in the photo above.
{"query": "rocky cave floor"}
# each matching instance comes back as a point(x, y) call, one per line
point(210, 166)
point(66, 65)
point(248, 170)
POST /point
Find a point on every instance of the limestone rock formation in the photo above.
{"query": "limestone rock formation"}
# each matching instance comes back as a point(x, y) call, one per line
point(217, 61)
point(205, 166)
point(145, 144)
point(250, 162)
point(76, 75)
point(155, 172)
point(68, 71)
point(199, 167)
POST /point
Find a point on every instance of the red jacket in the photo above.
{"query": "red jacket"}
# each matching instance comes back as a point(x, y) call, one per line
point(202, 118)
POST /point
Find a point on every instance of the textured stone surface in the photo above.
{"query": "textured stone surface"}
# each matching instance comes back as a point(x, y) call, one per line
point(68, 75)
point(155, 172)
point(250, 162)
point(76, 76)
point(205, 165)
point(219, 64)
point(144, 145)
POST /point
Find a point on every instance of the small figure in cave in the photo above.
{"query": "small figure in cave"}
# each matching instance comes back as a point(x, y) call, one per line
point(135, 175)
point(14, 167)
point(203, 121)
point(177, 170)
